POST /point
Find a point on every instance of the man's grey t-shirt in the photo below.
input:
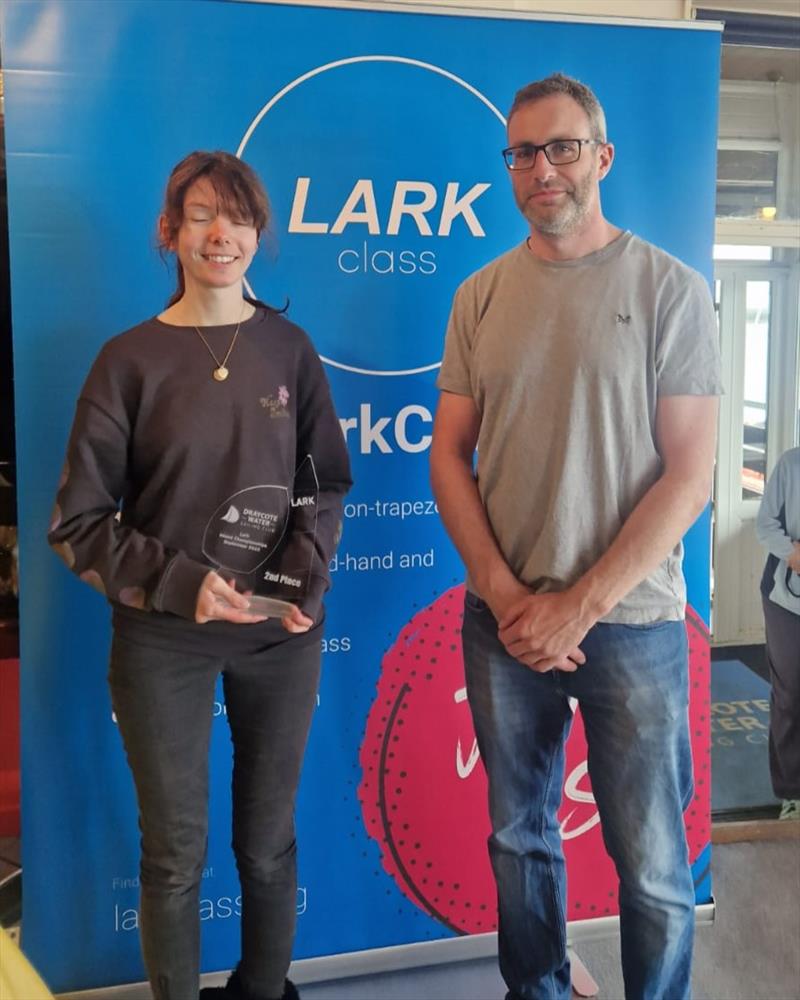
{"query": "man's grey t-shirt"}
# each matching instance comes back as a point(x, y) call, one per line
point(565, 362)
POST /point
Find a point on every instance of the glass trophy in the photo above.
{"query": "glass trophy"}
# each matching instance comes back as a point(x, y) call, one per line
point(264, 537)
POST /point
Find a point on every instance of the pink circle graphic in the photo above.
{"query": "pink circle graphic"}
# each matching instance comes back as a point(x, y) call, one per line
point(423, 791)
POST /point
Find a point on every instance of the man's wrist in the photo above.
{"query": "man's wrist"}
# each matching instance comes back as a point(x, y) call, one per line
point(491, 580)
point(592, 602)
point(500, 589)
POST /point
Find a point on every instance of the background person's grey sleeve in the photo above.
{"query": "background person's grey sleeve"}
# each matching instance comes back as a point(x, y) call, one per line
point(769, 531)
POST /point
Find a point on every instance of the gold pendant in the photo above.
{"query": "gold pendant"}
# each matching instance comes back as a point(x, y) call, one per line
point(221, 373)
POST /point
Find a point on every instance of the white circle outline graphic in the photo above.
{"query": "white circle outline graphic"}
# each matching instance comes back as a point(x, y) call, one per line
point(335, 65)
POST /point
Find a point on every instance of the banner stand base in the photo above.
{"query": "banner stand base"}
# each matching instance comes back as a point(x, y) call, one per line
point(398, 957)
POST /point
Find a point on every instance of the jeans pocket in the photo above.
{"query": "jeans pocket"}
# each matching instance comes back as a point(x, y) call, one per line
point(474, 603)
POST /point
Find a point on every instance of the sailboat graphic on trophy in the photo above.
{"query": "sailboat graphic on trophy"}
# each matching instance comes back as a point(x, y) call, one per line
point(265, 538)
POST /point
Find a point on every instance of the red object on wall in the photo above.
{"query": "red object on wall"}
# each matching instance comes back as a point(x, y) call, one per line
point(424, 793)
point(9, 748)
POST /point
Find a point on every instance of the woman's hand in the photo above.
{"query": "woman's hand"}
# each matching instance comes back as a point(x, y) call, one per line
point(220, 601)
point(296, 621)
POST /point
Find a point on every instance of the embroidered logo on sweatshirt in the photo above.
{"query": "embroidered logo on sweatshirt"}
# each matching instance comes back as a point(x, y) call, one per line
point(278, 405)
point(623, 319)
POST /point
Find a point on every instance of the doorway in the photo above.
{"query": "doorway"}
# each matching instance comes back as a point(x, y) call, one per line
point(756, 302)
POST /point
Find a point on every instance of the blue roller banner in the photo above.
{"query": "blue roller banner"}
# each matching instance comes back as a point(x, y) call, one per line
point(378, 134)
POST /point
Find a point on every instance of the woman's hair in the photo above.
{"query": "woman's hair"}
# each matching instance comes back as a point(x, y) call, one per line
point(239, 193)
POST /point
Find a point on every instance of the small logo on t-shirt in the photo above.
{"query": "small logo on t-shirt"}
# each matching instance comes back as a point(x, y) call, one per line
point(277, 405)
point(623, 319)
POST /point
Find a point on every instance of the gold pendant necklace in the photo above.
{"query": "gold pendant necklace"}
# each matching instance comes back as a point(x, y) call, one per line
point(221, 372)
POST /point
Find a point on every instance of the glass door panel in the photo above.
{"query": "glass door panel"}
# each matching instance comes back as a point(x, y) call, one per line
point(758, 296)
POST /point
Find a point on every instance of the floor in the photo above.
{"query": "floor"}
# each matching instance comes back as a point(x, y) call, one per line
point(754, 657)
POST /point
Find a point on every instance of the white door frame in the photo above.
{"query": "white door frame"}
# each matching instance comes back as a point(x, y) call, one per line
point(737, 557)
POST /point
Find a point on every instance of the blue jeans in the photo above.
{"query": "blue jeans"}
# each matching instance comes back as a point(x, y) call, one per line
point(163, 701)
point(633, 694)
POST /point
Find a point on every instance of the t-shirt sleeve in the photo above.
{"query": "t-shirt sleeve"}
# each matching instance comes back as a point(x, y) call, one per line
point(687, 347)
point(454, 375)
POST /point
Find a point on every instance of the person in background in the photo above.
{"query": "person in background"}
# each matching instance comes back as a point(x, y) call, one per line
point(172, 420)
point(778, 530)
point(583, 364)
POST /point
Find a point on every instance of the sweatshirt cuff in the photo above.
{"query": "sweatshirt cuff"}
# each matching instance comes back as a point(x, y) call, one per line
point(311, 604)
point(775, 540)
point(177, 590)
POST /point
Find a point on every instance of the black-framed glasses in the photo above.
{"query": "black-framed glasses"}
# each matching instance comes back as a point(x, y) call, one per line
point(558, 152)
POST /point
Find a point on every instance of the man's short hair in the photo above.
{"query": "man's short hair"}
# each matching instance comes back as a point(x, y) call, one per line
point(558, 83)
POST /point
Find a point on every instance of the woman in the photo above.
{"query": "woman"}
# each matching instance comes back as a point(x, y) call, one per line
point(216, 394)
point(778, 530)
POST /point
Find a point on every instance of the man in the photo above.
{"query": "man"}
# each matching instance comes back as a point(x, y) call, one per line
point(583, 364)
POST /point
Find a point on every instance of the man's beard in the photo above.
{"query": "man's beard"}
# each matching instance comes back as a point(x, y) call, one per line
point(568, 217)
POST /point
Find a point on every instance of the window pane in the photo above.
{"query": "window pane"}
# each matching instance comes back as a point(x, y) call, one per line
point(756, 380)
point(746, 183)
point(733, 251)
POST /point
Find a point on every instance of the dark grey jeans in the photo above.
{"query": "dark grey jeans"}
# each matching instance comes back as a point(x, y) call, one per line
point(163, 701)
point(783, 658)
